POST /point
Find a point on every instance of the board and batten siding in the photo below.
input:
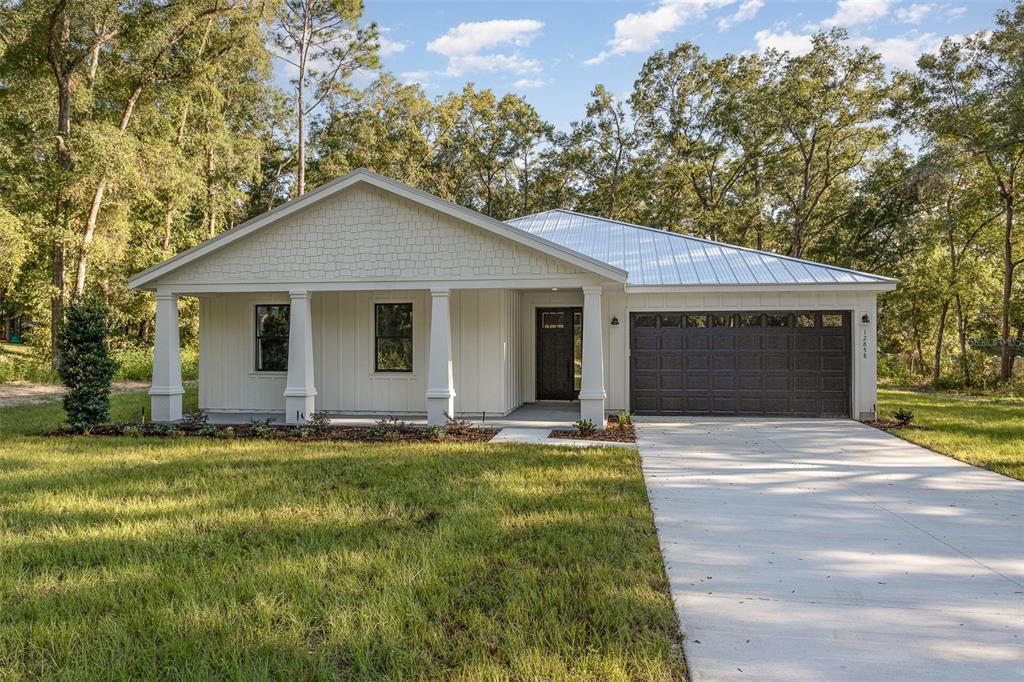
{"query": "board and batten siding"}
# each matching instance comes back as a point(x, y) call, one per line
point(485, 354)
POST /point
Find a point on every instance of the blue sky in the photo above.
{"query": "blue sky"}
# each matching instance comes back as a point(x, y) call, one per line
point(555, 52)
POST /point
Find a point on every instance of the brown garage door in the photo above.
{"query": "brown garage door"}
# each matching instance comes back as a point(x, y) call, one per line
point(725, 363)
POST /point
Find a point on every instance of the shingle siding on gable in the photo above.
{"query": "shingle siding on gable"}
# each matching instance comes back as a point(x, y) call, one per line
point(365, 233)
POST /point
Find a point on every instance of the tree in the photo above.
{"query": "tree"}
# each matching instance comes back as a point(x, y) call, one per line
point(323, 43)
point(971, 94)
point(828, 105)
point(87, 368)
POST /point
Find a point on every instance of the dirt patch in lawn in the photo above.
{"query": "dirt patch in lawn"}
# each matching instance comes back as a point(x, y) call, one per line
point(888, 424)
point(23, 392)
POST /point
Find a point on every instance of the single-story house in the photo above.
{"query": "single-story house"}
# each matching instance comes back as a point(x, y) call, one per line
point(369, 297)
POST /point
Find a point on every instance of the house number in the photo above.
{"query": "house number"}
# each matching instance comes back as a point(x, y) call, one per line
point(864, 343)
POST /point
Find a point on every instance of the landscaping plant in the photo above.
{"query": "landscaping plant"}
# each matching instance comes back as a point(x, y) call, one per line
point(586, 427)
point(87, 367)
point(903, 417)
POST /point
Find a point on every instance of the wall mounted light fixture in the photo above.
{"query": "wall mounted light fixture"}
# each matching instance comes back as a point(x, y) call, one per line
point(865, 318)
point(615, 322)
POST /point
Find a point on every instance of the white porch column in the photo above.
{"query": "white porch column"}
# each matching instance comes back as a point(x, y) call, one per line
point(300, 393)
point(166, 389)
point(440, 383)
point(592, 393)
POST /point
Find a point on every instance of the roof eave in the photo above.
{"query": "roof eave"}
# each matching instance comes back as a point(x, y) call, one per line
point(872, 287)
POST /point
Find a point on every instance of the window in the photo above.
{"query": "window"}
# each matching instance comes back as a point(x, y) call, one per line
point(751, 320)
point(832, 320)
point(577, 351)
point(777, 320)
point(272, 338)
point(645, 321)
point(553, 320)
point(671, 321)
point(393, 337)
point(804, 320)
point(696, 320)
point(723, 320)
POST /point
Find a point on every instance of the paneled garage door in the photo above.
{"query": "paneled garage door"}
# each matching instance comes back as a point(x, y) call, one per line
point(725, 363)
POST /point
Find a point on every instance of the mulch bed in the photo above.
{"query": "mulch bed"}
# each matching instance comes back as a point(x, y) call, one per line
point(368, 434)
point(613, 433)
point(886, 424)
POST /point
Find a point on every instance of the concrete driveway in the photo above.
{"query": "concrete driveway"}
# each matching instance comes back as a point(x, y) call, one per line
point(828, 550)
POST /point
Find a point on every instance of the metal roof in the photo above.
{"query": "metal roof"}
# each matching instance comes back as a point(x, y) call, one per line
point(655, 257)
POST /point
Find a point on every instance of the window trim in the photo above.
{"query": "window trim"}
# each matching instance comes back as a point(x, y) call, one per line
point(412, 340)
point(256, 371)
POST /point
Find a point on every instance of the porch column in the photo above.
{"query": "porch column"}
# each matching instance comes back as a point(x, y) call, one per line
point(440, 383)
point(592, 384)
point(300, 393)
point(166, 389)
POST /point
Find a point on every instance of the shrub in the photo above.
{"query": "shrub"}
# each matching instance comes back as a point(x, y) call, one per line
point(226, 432)
point(435, 433)
point(457, 427)
point(208, 430)
point(319, 422)
point(903, 417)
point(131, 430)
point(388, 428)
point(87, 367)
point(586, 427)
point(194, 422)
point(262, 428)
point(625, 419)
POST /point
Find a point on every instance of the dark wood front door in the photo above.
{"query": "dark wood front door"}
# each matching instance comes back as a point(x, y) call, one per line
point(558, 334)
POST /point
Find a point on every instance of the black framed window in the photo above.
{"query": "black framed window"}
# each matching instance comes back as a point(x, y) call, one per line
point(272, 338)
point(392, 337)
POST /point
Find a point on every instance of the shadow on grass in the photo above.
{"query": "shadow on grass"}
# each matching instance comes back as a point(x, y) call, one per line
point(330, 561)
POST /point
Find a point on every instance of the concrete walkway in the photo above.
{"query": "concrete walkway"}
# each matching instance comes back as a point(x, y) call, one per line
point(828, 550)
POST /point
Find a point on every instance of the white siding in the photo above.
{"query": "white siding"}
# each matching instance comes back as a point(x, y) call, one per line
point(343, 346)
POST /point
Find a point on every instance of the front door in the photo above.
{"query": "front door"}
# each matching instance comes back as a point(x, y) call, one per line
point(559, 351)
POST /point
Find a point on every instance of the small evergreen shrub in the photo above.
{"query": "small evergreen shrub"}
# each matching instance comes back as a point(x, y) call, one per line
point(194, 422)
point(319, 422)
point(388, 428)
point(262, 428)
point(435, 433)
point(87, 367)
point(625, 419)
point(903, 417)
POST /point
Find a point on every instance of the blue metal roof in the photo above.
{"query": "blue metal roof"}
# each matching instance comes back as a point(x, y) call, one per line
point(655, 257)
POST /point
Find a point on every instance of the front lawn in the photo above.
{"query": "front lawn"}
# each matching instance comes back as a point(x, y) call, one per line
point(985, 432)
point(145, 558)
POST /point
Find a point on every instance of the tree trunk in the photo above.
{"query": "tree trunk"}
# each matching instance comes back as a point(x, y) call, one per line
point(961, 328)
point(1008, 351)
point(937, 367)
point(97, 198)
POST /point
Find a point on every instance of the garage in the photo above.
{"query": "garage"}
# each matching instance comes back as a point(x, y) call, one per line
point(789, 363)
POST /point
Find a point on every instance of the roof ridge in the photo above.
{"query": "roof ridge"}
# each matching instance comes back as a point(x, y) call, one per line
point(681, 235)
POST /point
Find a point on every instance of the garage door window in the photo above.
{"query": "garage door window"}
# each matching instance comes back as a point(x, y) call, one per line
point(803, 320)
point(777, 320)
point(831, 320)
point(723, 320)
point(697, 321)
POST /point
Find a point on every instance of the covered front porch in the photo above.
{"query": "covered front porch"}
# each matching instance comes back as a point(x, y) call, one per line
point(475, 353)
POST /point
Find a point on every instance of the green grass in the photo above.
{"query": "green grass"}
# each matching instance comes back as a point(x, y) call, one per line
point(985, 432)
point(196, 559)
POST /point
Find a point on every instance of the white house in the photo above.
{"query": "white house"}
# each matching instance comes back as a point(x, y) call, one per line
point(366, 296)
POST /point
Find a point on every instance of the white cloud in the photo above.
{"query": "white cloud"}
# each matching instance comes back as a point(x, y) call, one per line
point(525, 83)
point(463, 45)
point(913, 14)
point(786, 41)
point(853, 12)
point(899, 52)
point(955, 12)
point(389, 47)
point(747, 11)
point(640, 31)
point(902, 52)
